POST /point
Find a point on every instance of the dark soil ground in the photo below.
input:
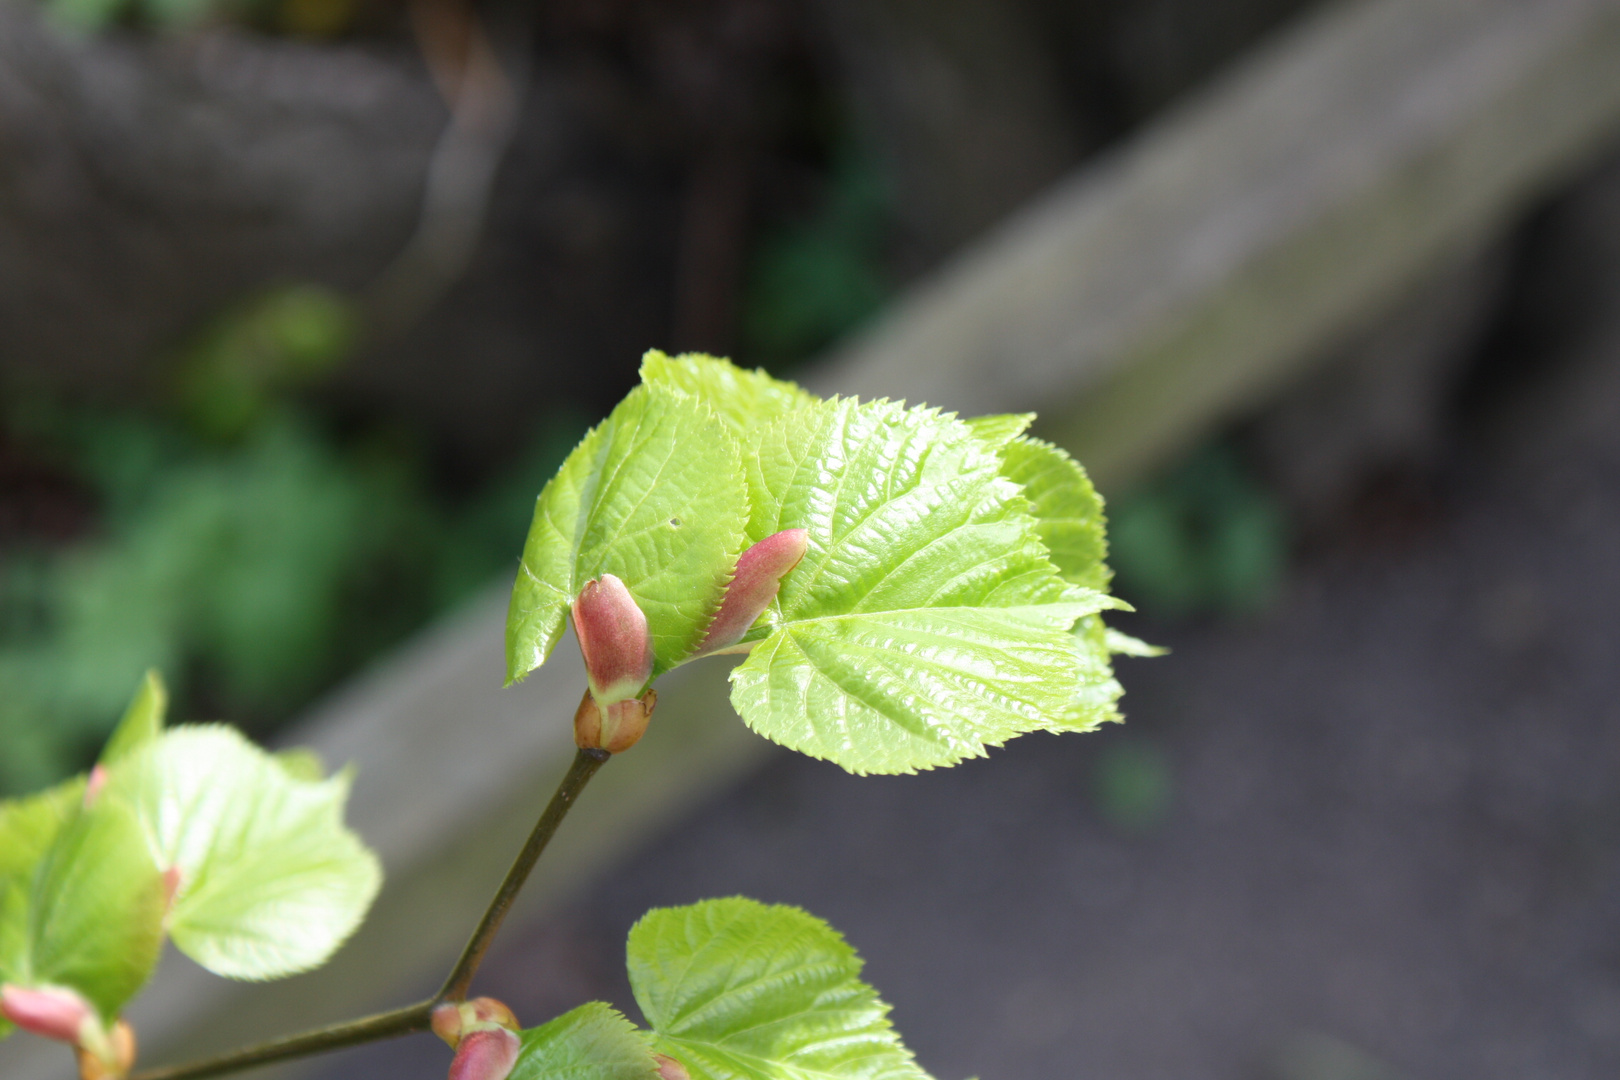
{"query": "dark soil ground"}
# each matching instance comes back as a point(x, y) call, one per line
point(1392, 850)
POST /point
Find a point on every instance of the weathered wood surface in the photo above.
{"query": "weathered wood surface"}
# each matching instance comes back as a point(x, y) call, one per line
point(1153, 294)
point(1158, 291)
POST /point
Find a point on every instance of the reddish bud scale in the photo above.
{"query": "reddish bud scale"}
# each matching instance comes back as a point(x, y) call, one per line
point(614, 639)
point(615, 728)
point(670, 1069)
point(486, 1055)
point(51, 1012)
point(109, 1056)
point(453, 1021)
point(759, 575)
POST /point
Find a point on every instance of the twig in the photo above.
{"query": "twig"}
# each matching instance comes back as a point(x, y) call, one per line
point(416, 1017)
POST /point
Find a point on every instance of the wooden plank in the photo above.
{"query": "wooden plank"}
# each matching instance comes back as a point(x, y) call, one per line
point(1158, 292)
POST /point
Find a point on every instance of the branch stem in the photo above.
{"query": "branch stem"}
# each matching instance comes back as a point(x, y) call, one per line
point(456, 984)
point(416, 1017)
point(386, 1025)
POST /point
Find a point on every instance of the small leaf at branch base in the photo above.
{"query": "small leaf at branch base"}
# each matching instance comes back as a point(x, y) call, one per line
point(592, 1042)
point(271, 881)
point(738, 990)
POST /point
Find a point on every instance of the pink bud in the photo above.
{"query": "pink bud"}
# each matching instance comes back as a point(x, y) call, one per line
point(759, 575)
point(670, 1069)
point(453, 1021)
point(615, 728)
point(93, 786)
point(172, 877)
point(613, 635)
point(486, 1055)
point(50, 1011)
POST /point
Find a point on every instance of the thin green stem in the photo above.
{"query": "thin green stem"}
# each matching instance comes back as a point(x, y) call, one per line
point(416, 1017)
point(586, 762)
point(386, 1025)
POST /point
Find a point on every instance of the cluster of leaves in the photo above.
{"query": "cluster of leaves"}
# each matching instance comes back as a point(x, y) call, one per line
point(239, 856)
point(733, 990)
point(948, 600)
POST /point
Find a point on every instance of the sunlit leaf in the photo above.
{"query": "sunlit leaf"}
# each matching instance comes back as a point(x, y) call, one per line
point(271, 881)
point(28, 828)
point(999, 429)
point(95, 919)
point(1068, 511)
point(738, 990)
point(142, 722)
point(926, 621)
point(592, 1042)
point(654, 495)
point(747, 401)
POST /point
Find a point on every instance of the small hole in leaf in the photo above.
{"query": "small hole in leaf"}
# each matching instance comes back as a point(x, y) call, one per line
point(675, 522)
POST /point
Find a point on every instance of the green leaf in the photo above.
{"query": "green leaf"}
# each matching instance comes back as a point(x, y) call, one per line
point(95, 912)
point(999, 429)
point(28, 828)
point(301, 764)
point(592, 1042)
point(1068, 511)
point(738, 990)
point(746, 401)
point(926, 621)
point(655, 495)
point(271, 881)
point(142, 722)
point(1125, 645)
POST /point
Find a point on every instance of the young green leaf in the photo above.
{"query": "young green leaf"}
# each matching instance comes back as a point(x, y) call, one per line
point(28, 828)
point(1068, 511)
point(592, 1042)
point(654, 495)
point(738, 990)
point(81, 905)
point(271, 882)
point(95, 911)
point(999, 429)
point(142, 722)
point(926, 621)
point(746, 401)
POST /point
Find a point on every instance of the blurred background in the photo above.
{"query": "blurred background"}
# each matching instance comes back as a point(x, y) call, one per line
point(301, 301)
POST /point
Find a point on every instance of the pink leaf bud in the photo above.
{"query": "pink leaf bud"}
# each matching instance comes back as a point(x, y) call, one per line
point(615, 728)
point(50, 1011)
point(613, 635)
point(759, 575)
point(670, 1069)
point(488, 1054)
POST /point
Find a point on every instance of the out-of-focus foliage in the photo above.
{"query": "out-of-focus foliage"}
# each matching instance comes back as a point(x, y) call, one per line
point(238, 546)
point(1207, 537)
point(814, 280)
point(192, 832)
point(305, 18)
point(237, 368)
